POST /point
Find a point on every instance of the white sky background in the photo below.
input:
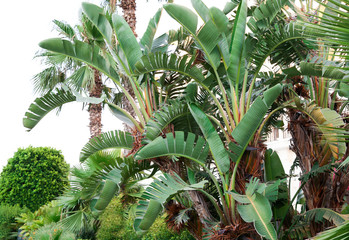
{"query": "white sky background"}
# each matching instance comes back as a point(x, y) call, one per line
point(23, 25)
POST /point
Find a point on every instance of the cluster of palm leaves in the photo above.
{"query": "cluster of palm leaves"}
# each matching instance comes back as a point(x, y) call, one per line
point(202, 110)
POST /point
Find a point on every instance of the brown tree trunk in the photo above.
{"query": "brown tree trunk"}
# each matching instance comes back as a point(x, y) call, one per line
point(95, 110)
point(324, 190)
point(129, 11)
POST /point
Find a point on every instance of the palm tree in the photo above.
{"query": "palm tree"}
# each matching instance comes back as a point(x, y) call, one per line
point(62, 70)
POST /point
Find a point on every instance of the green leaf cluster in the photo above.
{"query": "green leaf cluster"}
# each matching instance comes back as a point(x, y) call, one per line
point(33, 177)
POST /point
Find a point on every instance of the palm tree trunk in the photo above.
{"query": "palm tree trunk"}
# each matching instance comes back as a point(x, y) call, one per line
point(95, 110)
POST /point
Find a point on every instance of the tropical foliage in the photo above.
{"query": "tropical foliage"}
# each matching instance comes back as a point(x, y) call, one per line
point(200, 116)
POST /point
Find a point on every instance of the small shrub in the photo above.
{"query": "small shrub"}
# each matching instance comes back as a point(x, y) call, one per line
point(7, 220)
point(45, 215)
point(33, 177)
point(52, 231)
point(116, 225)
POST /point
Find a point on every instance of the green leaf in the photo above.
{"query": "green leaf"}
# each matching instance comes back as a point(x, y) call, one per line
point(146, 214)
point(112, 139)
point(273, 166)
point(201, 9)
point(84, 52)
point(217, 148)
point(339, 233)
point(256, 209)
point(43, 105)
point(194, 148)
point(121, 114)
point(96, 15)
point(245, 130)
point(162, 61)
point(321, 214)
point(208, 36)
point(163, 117)
point(159, 191)
point(108, 192)
point(237, 43)
point(148, 36)
point(127, 41)
point(183, 15)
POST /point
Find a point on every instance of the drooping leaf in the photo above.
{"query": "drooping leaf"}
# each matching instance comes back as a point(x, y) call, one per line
point(194, 148)
point(112, 139)
point(159, 191)
point(84, 52)
point(44, 105)
point(163, 117)
point(339, 233)
point(162, 61)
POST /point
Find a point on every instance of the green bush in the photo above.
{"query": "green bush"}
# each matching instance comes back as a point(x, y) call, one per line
point(31, 222)
point(33, 177)
point(52, 231)
point(116, 225)
point(7, 220)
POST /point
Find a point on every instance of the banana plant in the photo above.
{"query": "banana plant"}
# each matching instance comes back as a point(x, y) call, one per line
point(232, 64)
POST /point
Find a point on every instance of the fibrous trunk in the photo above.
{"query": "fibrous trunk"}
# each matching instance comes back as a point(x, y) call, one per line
point(95, 110)
point(322, 190)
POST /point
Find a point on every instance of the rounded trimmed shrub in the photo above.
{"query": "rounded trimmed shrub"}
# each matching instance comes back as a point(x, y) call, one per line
point(33, 177)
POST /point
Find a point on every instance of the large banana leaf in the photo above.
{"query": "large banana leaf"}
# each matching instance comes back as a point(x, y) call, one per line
point(96, 15)
point(217, 148)
point(162, 61)
point(127, 41)
point(208, 36)
point(273, 168)
point(112, 139)
point(43, 105)
point(148, 36)
point(194, 148)
point(245, 130)
point(157, 194)
point(256, 209)
point(236, 67)
point(163, 117)
point(84, 52)
point(201, 9)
